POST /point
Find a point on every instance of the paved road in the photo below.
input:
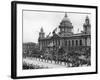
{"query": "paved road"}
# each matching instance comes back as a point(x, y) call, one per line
point(43, 63)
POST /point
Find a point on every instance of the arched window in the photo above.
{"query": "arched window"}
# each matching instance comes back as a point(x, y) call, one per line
point(80, 42)
point(43, 43)
point(69, 42)
point(72, 42)
point(58, 42)
point(76, 43)
point(65, 43)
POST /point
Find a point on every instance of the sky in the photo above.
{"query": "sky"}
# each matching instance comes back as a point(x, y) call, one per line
point(34, 20)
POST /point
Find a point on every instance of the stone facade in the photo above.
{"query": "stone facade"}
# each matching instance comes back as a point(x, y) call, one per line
point(66, 38)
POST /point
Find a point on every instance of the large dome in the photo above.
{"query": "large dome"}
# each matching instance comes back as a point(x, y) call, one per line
point(66, 22)
point(66, 18)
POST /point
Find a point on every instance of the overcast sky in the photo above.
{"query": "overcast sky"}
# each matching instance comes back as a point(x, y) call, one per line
point(34, 20)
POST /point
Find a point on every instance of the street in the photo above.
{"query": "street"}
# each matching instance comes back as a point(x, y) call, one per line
point(41, 63)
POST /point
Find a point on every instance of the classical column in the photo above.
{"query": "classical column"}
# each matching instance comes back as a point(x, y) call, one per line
point(88, 42)
point(83, 42)
point(60, 42)
point(71, 43)
point(57, 43)
point(74, 42)
point(78, 42)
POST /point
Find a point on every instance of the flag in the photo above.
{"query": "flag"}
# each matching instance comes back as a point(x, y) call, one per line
point(54, 30)
point(48, 34)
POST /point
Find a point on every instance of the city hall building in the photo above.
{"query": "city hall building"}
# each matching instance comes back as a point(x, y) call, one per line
point(65, 38)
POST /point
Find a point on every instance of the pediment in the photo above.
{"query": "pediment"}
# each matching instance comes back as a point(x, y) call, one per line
point(55, 36)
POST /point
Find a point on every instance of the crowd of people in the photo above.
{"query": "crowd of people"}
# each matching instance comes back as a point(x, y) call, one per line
point(72, 58)
point(32, 66)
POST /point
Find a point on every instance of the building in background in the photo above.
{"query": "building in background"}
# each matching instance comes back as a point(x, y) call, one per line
point(65, 38)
